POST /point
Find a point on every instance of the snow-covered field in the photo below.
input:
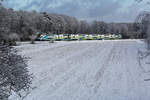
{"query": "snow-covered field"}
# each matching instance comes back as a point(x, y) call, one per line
point(87, 70)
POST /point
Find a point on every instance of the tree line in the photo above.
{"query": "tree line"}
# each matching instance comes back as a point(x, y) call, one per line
point(24, 25)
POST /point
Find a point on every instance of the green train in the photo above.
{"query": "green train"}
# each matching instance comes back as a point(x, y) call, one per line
point(74, 37)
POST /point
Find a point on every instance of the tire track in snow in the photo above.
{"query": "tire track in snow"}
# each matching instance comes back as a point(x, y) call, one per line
point(57, 84)
point(111, 76)
point(101, 71)
point(73, 72)
point(79, 77)
point(50, 58)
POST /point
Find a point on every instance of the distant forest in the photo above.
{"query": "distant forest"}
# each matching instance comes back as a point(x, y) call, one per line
point(22, 25)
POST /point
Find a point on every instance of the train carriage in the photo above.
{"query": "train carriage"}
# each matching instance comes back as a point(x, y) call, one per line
point(73, 37)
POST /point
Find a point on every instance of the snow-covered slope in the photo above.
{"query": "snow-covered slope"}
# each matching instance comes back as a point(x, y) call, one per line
point(86, 70)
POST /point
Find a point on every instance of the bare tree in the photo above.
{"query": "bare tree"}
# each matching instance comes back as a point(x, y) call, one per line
point(84, 27)
point(99, 27)
point(143, 23)
point(148, 38)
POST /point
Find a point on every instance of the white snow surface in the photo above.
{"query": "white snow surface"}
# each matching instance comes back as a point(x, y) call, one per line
point(86, 70)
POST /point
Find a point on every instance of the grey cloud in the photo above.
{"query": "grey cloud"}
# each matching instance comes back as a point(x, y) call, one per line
point(87, 9)
point(107, 10)
point(104, 8)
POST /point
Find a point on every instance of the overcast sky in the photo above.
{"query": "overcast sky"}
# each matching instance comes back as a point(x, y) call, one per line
point(103, 10)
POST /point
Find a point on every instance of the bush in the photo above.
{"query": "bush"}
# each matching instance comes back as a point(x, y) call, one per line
point(14, 76)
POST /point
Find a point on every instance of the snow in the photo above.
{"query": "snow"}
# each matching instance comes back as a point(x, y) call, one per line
point(87, 70)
